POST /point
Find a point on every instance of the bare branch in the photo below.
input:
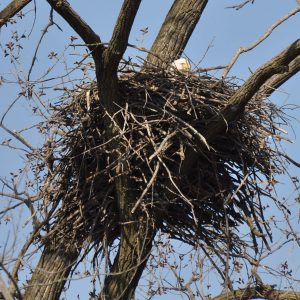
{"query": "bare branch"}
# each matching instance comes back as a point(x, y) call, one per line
point(241, 5)
point(259, 41)
point(18, 136)
point(11, 9)
point(45, 30)
point(14, 283)
point(14, 274)
point(63, 8)
point(176, 30)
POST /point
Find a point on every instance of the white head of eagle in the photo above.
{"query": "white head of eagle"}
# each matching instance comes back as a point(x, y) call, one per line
point(182, 64)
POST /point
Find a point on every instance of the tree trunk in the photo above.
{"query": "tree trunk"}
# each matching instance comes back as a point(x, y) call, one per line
point(175, 32)
point(50, 274)
point(129, 264)
point(137, 230)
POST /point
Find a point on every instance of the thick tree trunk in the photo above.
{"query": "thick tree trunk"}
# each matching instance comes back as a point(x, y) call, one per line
point(50, 274)
point(129, 264)
point(137, 230)
point(175, 32)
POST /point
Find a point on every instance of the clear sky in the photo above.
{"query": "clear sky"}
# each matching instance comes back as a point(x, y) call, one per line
point(225, 30)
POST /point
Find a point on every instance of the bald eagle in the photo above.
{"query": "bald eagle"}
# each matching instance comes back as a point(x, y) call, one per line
point(182, 65)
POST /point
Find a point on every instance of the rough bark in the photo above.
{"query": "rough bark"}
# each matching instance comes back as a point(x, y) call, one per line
point(50, 274)
point(135, 246)
point(11, 9)
point(136, 233)
point(175, 32)
point(279, 79)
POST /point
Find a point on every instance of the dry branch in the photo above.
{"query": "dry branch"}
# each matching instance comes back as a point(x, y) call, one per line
point(259, 41)
point(87, 34)
point(4, 291)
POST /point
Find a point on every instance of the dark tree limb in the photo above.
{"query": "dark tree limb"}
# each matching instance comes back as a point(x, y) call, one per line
point(277, 66)
point(263, 291)
point(63, 8)
point(176, 31)
point(11, 9)
point(119, 40)
point(129, 264)
point(277, 80)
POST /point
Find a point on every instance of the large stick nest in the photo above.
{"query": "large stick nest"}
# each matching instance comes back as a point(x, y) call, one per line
point(193, 192)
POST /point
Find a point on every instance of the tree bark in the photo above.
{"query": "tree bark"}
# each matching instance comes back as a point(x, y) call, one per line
point(175, 32)
point(129, 264)
point(136, 232)
point(50, 274)
point(279, 79)
point(11, 9)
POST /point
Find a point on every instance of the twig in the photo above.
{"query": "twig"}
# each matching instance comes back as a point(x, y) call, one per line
point(259, 41)
point(149, 184)
point(18, 136)
point(241, 5)
point(44, 31)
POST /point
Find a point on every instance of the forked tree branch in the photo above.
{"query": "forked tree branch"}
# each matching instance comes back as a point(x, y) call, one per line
point(11, 9)
point(176, 31)
point(279, 65)
point(63, 8)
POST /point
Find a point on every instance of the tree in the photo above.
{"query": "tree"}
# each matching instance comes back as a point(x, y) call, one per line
point(107, 175)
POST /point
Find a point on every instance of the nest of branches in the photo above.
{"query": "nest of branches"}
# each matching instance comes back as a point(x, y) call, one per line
point(195, 192)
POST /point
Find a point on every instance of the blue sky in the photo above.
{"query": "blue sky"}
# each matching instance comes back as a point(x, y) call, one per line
point(222, 28)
